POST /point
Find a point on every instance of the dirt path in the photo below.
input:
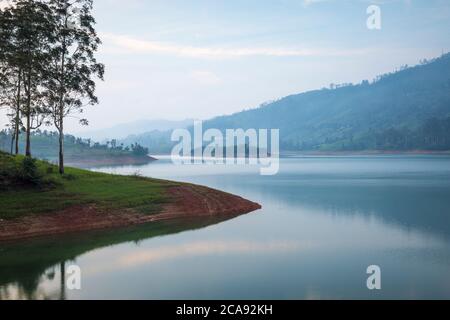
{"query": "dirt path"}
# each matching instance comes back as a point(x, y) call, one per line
point(187, 201)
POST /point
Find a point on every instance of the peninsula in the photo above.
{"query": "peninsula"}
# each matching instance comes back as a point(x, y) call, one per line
point(37, 201)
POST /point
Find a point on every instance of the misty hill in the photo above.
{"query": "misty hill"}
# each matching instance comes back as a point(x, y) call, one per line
point(123, 130)
point(408, 109)
point(404, 110)
point(158, 142)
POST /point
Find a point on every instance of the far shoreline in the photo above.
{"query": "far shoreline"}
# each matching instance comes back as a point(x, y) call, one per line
point(288, 154)
point(121, 160)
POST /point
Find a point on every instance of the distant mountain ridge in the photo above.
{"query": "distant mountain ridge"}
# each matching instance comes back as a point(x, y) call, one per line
point(358, 117)
point(405, 110)
point(124, 130)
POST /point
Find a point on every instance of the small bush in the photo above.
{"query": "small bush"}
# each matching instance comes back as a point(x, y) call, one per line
point(68, 176)
point(20, 170)
point(28, 171)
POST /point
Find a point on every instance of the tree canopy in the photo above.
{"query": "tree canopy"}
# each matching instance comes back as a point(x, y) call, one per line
point(47, 64)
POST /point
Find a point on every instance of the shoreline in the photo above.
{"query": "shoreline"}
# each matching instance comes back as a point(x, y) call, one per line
point(86, 162)
point(289, 154)
point(186, 201)
point(364, 153)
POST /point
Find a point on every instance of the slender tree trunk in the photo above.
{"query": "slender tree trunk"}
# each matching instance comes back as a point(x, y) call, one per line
point(61, 110)
point(17, 135)
point(62, 294)
point(17, 120)
point(28, 135)
point(61, 147)
point(13, 137)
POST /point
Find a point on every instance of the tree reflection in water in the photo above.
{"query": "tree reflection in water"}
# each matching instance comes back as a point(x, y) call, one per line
point(29, 268)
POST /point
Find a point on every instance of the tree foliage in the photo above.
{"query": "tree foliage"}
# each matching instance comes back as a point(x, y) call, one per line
point(47, 63)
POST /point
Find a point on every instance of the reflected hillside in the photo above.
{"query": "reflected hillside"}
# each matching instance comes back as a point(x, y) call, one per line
point(421, 205)
point(25, 265)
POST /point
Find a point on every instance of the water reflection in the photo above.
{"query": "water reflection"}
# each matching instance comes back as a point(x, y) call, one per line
point(324, 220)
point(352, 212)
point(36, 269)
point(410, 192)
point(408, 206)
point(203, 248)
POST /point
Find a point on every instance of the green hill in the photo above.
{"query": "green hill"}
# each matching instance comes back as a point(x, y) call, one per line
point(405, 110)
point(408, 109)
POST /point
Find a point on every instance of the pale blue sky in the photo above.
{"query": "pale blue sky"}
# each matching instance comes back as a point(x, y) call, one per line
point(178, 59)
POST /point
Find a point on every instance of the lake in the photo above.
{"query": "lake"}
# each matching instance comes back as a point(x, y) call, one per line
point(324, 221)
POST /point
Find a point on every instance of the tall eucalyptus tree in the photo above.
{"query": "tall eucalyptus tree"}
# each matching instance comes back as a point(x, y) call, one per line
point(71, 85)
point(32, 33)
point(10, 73)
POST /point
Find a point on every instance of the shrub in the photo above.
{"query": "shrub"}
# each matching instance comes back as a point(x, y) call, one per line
point(28, 171)
point(21, 170)
point(68, 177)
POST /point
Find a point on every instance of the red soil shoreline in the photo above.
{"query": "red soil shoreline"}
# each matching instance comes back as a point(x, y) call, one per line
point(186, 201)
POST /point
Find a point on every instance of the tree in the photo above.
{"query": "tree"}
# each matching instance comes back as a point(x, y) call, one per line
point(10, 74)
point(71, 85)
point(29, 27)
point(139, 150)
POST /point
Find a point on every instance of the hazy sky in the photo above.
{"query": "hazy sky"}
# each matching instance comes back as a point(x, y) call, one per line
point(176, 59)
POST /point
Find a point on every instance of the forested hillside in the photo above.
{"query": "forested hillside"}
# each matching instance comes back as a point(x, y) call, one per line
point(408, 109)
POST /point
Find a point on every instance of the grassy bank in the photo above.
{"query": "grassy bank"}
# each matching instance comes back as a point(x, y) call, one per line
point(32, 187)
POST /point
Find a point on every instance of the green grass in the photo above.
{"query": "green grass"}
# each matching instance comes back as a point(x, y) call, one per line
point(52, 192)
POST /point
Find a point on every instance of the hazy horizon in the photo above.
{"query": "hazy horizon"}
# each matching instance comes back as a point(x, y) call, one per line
point(199, 60)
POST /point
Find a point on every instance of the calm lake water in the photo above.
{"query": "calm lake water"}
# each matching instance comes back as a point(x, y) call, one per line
point(324, 221)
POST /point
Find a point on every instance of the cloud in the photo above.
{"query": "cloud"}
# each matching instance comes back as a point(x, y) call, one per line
point(130, 45)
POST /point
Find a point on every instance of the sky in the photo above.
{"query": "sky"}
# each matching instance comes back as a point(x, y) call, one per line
point(178, 59)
